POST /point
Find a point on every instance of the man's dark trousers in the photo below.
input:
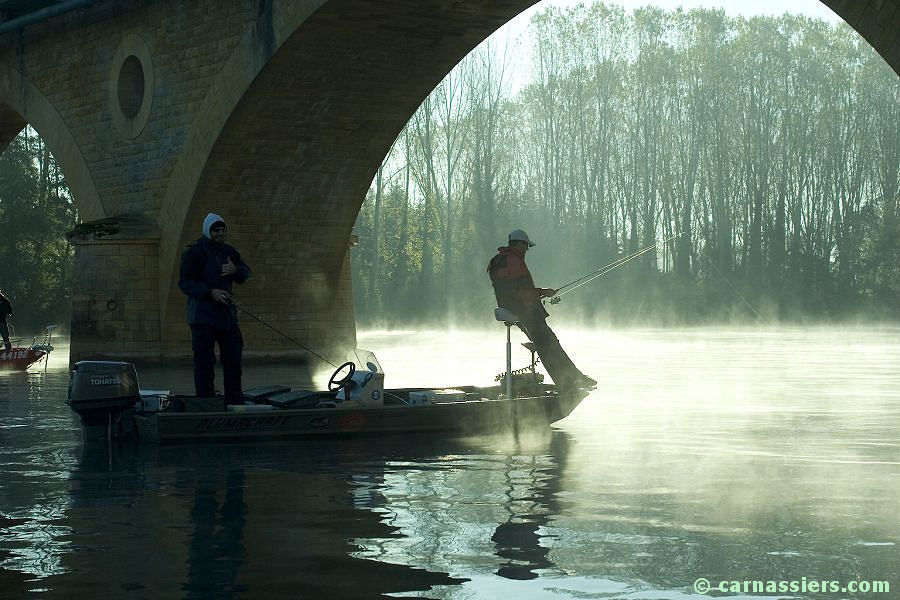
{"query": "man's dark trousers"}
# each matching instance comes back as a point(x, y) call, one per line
point(558, 364)
point(4, 332)
point(231, 345)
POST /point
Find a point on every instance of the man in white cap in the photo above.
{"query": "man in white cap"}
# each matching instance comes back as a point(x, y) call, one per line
point(208, 268)
point(516, 292)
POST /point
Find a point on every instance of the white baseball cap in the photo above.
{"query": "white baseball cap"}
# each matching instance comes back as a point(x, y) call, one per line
point(517, 235)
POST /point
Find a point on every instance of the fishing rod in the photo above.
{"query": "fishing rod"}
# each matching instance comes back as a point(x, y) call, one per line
point(232, 302)
point(585, 279)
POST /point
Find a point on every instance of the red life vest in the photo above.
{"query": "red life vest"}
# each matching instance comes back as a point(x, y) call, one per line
point(513, 285)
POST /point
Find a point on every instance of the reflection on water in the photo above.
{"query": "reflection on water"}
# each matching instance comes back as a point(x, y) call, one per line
point(737, 454)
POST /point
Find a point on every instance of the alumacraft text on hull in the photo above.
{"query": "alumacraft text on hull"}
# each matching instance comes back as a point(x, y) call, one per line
point(107, 398)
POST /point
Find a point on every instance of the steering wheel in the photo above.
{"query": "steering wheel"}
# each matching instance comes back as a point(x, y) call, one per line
point(334, 384)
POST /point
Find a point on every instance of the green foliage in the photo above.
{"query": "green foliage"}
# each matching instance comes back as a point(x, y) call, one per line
point(771, 143)
point(35, 213)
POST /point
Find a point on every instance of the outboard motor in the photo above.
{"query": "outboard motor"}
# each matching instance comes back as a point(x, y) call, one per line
point(103, 393)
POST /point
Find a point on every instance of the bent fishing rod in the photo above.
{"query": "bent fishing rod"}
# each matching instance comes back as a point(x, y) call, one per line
point(585, 279)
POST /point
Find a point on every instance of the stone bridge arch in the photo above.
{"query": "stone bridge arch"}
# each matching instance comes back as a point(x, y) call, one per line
point(21, 103)
point(273, 113)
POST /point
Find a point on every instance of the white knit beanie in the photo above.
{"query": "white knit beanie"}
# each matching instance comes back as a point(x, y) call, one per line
point(210, 220)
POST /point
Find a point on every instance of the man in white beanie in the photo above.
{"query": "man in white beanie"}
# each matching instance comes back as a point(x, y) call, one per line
point(209, 266)
point(516, 292)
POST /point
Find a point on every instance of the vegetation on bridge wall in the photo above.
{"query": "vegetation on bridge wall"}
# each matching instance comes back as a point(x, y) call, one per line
point(772, 144)
point(35, 213)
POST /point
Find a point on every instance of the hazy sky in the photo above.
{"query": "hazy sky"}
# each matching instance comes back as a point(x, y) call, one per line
point(811, 8)
point(514, 30)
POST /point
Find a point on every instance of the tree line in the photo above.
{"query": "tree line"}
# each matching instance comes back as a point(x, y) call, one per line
point(762, 155)
point(36, 211)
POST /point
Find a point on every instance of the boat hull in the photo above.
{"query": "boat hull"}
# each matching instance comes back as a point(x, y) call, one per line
point(19, 359)
point(471, 417)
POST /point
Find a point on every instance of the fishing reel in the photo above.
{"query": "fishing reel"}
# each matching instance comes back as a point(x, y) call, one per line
point(232, 305)
point(554, 300)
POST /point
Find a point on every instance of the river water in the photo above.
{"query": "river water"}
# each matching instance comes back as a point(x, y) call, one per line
point(759, 455)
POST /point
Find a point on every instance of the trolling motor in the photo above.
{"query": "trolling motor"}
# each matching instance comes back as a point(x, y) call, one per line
point(531, 370)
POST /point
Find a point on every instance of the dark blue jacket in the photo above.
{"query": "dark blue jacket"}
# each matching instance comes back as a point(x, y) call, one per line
point(201, 265)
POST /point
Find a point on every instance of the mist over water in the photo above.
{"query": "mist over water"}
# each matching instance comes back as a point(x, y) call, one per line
point(730, 454)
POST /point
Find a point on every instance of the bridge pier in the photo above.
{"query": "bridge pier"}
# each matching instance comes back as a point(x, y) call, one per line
point(117, 311)
point(115, 293)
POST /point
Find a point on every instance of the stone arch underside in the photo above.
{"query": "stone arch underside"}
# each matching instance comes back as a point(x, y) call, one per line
point(11, 123)
point(291, 167)
point(22, 103)
point(877, 21)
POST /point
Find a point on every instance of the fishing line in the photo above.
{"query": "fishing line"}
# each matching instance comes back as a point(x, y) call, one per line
point(733, 289)
point(233, 303)
point(585, 279)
